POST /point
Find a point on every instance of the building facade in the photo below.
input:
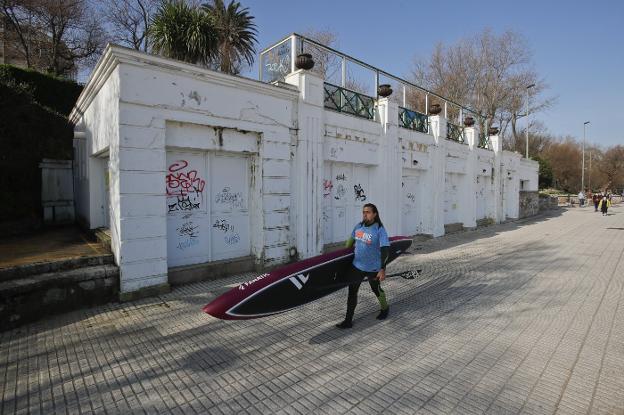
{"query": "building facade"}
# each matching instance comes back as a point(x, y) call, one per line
point(194, 171)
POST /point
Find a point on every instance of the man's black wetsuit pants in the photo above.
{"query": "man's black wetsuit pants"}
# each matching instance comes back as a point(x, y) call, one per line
point(357, 276)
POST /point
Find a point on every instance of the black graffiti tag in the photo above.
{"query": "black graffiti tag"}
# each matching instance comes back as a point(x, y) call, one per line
point(188, 229)
point(183, 203)
point(359, 193)
point(223, 225)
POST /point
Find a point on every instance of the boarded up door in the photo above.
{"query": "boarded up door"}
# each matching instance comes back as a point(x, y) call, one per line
point(345, 191)
point(207, 207)
point(229, 214)
point(411, 198)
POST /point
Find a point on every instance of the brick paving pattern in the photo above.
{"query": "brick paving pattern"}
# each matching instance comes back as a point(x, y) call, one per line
point(521, 318)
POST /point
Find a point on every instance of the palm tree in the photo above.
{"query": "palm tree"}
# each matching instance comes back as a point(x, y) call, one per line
point(236, 34)
point(182, 32)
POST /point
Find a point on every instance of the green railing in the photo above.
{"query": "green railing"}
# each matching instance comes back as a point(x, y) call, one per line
point(350, 102)
point(413, 120)
point(455, 132)
point(484, 141)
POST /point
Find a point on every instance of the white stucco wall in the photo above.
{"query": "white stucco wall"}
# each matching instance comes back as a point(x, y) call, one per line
point(528, 172)
point(303, 171)
point(96, 187)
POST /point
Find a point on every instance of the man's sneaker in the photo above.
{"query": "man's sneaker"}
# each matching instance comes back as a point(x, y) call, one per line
point(345, 325)
point(383, 314)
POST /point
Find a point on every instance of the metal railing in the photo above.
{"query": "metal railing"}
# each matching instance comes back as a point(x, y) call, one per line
point(350, 102)
point(413, 120)
point(484, 141)
point(455, 132)
point(278, 60)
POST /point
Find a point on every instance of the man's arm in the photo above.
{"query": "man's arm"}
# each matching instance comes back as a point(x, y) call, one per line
point(349, 242)
point(385, 253)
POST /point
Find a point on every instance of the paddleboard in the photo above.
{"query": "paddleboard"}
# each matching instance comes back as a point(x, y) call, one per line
point(292, 285)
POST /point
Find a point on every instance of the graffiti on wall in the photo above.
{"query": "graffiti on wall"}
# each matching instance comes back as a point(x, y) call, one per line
point(187, 233)
point(229, 198)
point(359, 193)
point(230, 237)
point(327, 187)
point(183, 187)
point(340, 191)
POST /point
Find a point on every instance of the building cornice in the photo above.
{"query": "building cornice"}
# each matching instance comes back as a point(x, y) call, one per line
point(115, 55)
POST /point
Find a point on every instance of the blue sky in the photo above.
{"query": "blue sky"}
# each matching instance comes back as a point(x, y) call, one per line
point(578, 46)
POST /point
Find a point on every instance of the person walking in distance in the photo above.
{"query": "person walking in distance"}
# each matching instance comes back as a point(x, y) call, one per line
point(372, 248)
point(581, 198)
point(596, 200)
point(604, 205)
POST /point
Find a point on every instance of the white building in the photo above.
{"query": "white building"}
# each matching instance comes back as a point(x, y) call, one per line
point(196, 172)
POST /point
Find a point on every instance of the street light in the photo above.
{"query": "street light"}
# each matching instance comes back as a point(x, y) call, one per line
point(583, 162)
point(527, 113)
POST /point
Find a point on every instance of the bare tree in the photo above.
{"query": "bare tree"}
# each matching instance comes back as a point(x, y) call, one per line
point(68, 31)
point(129, 21)
point(326, 63)
point(487, 73)
point(20, 18)
point(564, 156)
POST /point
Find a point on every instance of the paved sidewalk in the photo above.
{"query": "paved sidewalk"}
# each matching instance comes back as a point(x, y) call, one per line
point(525, 317)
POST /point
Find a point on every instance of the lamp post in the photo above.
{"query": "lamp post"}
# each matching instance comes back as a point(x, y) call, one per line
point(589, 184)
point(527, 115)
point(583, 162)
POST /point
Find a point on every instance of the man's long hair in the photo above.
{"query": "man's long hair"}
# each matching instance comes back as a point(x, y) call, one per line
point(377, 218)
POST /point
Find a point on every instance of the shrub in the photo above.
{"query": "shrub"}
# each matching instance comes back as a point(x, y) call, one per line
point(49, 91)
point(29, 132)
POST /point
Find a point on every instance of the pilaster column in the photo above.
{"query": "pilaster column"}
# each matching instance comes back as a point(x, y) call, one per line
point(307, 181)
point(390, 167)
point(469, 212)
point(497, 147)
point(438, 172)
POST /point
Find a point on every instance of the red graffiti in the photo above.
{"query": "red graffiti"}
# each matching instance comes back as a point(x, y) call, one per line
point(327, 187)
point(181, 183)
point(178, 165)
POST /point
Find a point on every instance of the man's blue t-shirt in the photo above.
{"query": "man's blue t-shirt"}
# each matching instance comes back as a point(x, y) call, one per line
point(368, 243)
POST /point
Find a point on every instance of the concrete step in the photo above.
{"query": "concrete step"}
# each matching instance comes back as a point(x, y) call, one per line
point(29, 298)
point(78, 275)
point(21, 271)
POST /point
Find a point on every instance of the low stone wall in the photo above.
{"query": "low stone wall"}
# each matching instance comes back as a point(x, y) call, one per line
point(529, 203)
point(547, 202)
point(28, 298)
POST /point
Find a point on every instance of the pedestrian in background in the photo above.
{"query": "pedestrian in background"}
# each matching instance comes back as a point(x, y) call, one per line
point(604, 205)
point(581, 198)
point(596, 200)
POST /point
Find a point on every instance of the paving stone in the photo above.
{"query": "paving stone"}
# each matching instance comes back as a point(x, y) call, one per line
point(523, 317)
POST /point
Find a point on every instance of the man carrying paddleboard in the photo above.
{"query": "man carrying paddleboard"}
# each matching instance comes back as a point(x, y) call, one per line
point(369, 262)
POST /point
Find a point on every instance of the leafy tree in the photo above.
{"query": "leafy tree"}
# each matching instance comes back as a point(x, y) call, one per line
point(236, 34)
point(180, 31)
point(545, 173)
